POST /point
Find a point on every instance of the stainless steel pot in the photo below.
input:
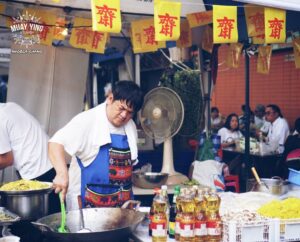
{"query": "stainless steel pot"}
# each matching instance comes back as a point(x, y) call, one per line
point(106, 224)
point(29, 205)
point(275, 186)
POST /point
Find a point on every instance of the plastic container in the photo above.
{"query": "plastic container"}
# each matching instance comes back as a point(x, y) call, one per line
point(10, 239)
point(258, 231)
point(290, 230)
point(294, 176)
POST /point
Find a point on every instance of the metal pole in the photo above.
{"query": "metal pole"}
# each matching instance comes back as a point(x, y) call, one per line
point(247, 124)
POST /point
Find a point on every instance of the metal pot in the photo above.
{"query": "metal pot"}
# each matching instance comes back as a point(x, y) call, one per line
point(275, 186)
point(106, 224)
point(29, 205)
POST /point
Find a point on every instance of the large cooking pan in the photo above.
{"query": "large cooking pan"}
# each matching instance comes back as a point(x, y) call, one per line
point(106, 224)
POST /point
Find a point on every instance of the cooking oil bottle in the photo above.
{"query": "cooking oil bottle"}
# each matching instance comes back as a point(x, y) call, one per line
point(187, 220)
point(159, 220)
point(173, 212)
point(178, 213)
point(213, 220)
point(200, 218)
point(151, 213)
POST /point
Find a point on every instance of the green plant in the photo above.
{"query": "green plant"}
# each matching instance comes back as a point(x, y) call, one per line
point(187, 85)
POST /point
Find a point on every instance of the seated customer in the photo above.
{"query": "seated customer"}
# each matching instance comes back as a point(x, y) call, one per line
point(229, 135)
point(217, 121)
point(291, 154)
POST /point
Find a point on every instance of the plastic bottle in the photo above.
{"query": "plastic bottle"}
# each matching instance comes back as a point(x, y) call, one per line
point(179, 212)
point(151, 213)
point(213, 220)
point(159, 219)
point(187, 221)
point(173, 212)
point(200, 218)
point(164, 191)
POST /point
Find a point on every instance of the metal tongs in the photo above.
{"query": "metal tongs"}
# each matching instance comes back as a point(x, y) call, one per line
point(257, 178)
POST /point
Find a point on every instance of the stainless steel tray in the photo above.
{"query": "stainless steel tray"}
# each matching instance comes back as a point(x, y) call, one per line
point(10, 217)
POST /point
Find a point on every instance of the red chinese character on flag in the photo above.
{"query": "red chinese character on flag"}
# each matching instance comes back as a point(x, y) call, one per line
point(106, 15)
point(98, 37)
point(149, 32)
point(168, 23)
point(258, 21)
point(226, 26)
point(276, 26)
point(83, 36)
point(45, 31)
point(200, 17)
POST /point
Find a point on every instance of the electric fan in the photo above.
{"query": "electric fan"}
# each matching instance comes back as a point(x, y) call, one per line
point(161, 117)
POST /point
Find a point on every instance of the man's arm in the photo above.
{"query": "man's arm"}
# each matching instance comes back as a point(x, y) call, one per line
point(6, 159)
point(57, 158)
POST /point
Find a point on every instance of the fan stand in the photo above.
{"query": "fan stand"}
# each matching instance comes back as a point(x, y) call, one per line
point(168, 165)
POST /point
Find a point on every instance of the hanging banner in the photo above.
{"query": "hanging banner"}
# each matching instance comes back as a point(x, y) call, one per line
point(106, 16)
point(296, 46)
point(255, 19)
point(84, 37)
point(2, 7)
point(148, 36)
point(185, 39)
point(200, 19)
point(264, 59)
point(259, 39)
point(275, 25)
point(234, 55)
point(207, 39)
point(46, 21)
point(60, 30)
point(225, 24)
point(167, 20)
point(136, 37)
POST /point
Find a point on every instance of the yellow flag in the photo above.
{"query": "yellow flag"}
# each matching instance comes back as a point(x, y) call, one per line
point(2, 7)
point(149, 43)
point(259, 39)
point(84, 37)
point(167, 20)
point(264, 59)
point(106, 16)
point(296, 45)
point(47, 21)
point(255, 19)
point(207, 39)
point(136, 36)
point(275, 22)
point(60, 30)
point(185, 39)
point(225, 24)
point(234, 55)
point(199, 19)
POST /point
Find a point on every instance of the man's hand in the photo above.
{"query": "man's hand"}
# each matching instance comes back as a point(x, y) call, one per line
point(61, 183)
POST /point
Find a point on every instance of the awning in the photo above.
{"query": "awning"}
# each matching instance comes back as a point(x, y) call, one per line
point(283, 4)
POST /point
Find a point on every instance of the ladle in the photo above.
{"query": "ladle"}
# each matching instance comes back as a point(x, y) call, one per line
point(62, 228)
point(82, 229)
point(257, 178)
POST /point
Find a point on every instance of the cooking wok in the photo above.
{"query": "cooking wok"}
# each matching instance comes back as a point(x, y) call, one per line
point(106, 224)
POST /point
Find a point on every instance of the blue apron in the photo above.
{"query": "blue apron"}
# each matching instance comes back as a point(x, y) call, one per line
point(106, 182)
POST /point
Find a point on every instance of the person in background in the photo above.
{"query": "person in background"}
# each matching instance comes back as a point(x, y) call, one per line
point(217, 120)
point(230, 133)
point(278, 130)
point(104, 141)
point(242, 121)
point(261, 125)
point(23, 144)
point(291, 155)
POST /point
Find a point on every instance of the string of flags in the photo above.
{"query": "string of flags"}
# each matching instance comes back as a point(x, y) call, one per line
point(264, 25)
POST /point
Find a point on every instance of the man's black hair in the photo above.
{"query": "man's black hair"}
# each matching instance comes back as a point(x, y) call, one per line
point(129, 92)
point(276, 109)
point(214, 109)
point(228, 120)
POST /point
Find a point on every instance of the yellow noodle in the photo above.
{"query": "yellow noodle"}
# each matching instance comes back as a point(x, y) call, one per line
point(24, 185)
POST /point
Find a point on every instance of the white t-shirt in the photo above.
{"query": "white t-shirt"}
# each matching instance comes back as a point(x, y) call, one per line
point(22, 134)
point(229, 136)
point(278, 132)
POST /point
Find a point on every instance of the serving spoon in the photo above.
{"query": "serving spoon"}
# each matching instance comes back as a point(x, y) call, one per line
point(62, 228)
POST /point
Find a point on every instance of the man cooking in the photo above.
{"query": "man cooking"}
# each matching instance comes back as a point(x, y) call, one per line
point(104, 141)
